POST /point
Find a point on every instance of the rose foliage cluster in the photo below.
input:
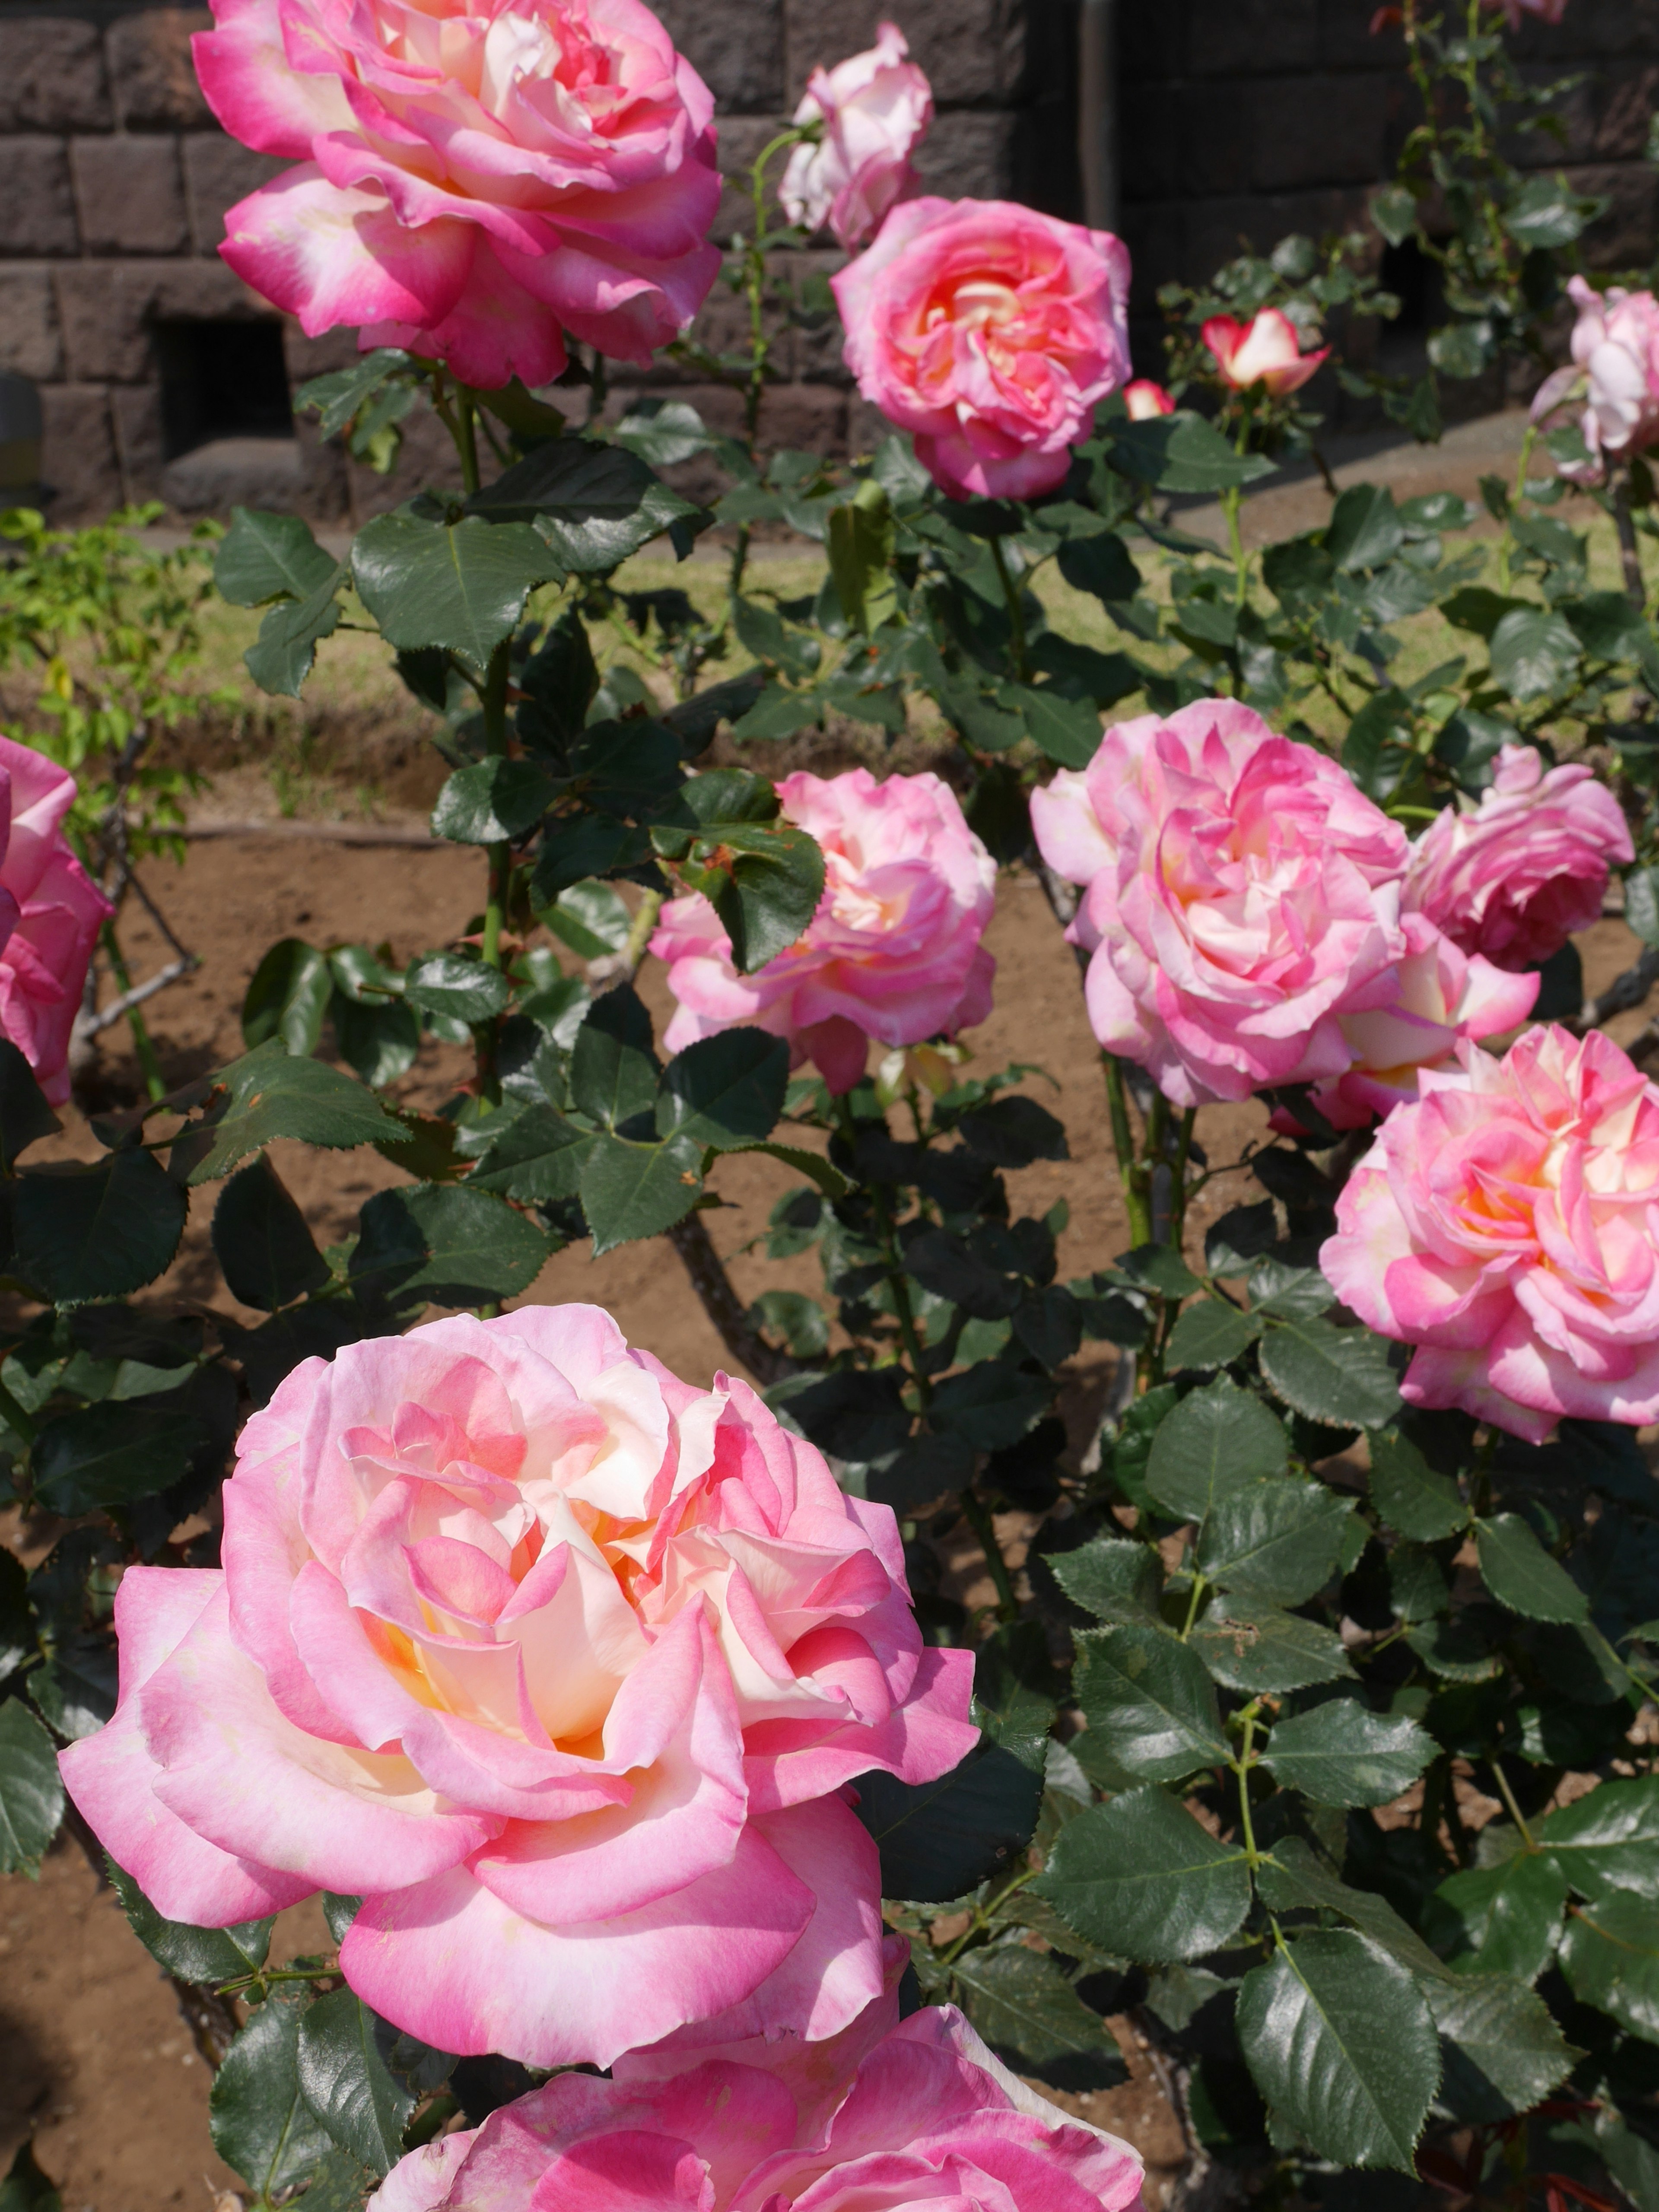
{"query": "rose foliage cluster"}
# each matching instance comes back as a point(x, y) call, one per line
point(689, 1827)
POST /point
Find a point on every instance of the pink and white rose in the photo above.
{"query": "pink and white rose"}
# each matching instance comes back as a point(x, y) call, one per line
point(875, 109)
point(990, 332)
point(1513, 878)
point(929, 2119)
point(1242, 897)
point(1265, 350)
point(1145, 400)
point(50, 913)
point(1508, 1226)
point(894, 951)
point(560, 1664)
point(472, 185)
point(1613, 376)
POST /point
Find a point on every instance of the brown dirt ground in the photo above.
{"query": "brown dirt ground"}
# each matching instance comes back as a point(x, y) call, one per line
point(97, 2061)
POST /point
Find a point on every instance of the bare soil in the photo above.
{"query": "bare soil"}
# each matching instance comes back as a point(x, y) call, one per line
point(94, 2058)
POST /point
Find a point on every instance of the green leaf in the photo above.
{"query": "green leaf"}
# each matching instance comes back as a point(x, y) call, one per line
point(1114, 1579)
point(461, 585)
point(991, 1404)
point(281, 656)
point(613, 1070)
point(344, 2079)
point(1339, 1375)
point(1278, 1541)
point(1068, 730)
point(1139, 1877)
point(725, 1092)
point(1012, 1132)
point(1295, 1879)
point(261, 1241)
point(378, 1042)
point(1409, 1493)
point(1219, 1440)
point(1181, 452)
point(261, 2124)
point(1251, 1645)
point(25, 2187)
point(195, 1954)
point(1608, 1839)
point(492, 801)
point(592, 504)
point(98, 1232)
point(591, 918)
point(941, 1839)
point(538, 1159)
point(1024, 2008)
point(446, 1244)
point(1522, 1576)
point(269, 557)
point(25, 1116)
point(1394, 211)
point(457, 988)
point(1533, 653)
point(632, 1190)
point(74, 1690)
point(1343, 1753)
point(1101, 566)
point(1212, 1333)
point(288, 998)
point(764, 876)
point(1012, 1701)
point(1610, 1953)
point(111, 1453)
point(266, 1094)
point(1503, 1919)
point(1343, 2047)
point(663, 432)
point(31, 1790)
point(1149, 1699)
point(1546, 213)
point(1503, 2052)
point(1364, 529)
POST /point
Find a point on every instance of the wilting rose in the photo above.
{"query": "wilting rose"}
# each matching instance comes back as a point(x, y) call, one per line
point(989, 332)
point(50, 913)
point(1267, 349)
point(1508, 1226)
point(875, 109)
point(1613, 375)
point(927, 2117)
point(1241, 898)
point(1442, 997)
point(1515, 878)
point(893, 952)
point(1144, 400)
point(558, 1663)
point(471, 187)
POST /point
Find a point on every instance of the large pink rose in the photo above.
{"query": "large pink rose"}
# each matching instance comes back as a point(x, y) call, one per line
point(875, 109)
point(1508, 1226)
point(923, 2116)
point(1615, 373)
point(1243, 896)
point(989, 332)
point(473, 182)
point(561, 1665)
point(50, 913)
point(1442, 997)
point(893, 952)
point(1514, 878)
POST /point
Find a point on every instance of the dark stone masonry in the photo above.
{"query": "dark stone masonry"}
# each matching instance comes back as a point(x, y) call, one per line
point(162, 377)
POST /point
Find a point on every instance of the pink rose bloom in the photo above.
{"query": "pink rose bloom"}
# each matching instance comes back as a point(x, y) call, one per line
point(893, 952)
point(923, 2116)
point(1515, 878)
point(1267, 350)
point(1242, 897)
point(1508, 1226)
point(471, 186)
point(50, 913)
point(875, 109)
point(1443, 996)
point(561, 1665)
point(1145, 400)
point(989, 333)
point(1548, 11)
point(1614, 372)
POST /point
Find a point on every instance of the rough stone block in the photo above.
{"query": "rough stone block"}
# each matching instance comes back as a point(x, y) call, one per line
point(131, 195)
point(77, 455)
point(218, 173)
point(735, 46)
point(287, 476)
point(106, 310)
point(1347, 41)
point(51, 76)
point(136, 411)
point(1320, 130)
point(1251, 38)
point(151, 73)
point(1623, 235)
point(968, 155)
point(29, 339)
point(1192, 142)
point(1217, 230)
point(1151, 44)
point(318, 356)
point(973, 50)
point(37, 208)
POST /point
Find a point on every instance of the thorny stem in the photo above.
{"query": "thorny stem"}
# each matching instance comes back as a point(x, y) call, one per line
point(1508, 539)
point(978, 1516)
point(1178, 1185)
point(142, 1042)
point(1508, 1796)
point(1123, 1144)
point(1199, 1586)
point(1242, 1768)
point(1016, 611)
point(1629, 553)
point(982, 1915)
point(1232, 500)
point(760, 345)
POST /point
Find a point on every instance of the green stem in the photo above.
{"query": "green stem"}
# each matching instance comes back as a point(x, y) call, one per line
point(1016, 613)
point(467, 443)
point(982, 1913)
point(1629, 553)
point(1197, 1599)
point(1508, 1796)
point(149, 1066)
point(1178, 1186)
point(1242, 1768)
point(1232, 502)
point(978, 1516)
point(499, 857)
point(1123, 1144)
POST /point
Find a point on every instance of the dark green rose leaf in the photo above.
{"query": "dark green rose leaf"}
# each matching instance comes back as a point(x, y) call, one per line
point(1141, 1878)
point(1278, 1541)
point(261, 1241)
point(267, 1094)
point(1522, 1576)
point(1218, 1441)
point(1409, 1493)
point(31, 1790)
point(461, 585)
point(98, 1232)
point(1339, 1376)
point(1150, 1699)
point(346, 2081)
point(1343, 1753)
point(1024, 2008)
point(1501, 2050)
point(261, 2124)
point(938, 1840)
point(195, 1954)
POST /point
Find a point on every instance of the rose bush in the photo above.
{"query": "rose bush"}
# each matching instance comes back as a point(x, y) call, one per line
point(1507, 1226)
point(1614, 372)
point(894, 951)
point(990, 332)
point(50, 913)
point(1241, 896)
point(471, 187)
point(561, 1665)
point(875, 109)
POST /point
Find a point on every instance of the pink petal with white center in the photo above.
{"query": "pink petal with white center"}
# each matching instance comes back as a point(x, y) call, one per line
point(248, 82)
point(333, 257)
point(792, 1762)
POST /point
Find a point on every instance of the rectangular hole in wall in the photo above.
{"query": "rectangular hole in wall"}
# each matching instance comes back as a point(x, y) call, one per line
point(221, 381)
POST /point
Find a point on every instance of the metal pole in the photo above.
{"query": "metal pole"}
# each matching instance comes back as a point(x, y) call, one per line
point(1097, 113)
